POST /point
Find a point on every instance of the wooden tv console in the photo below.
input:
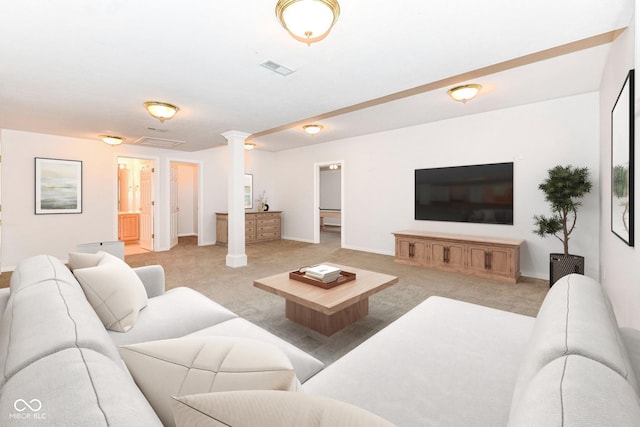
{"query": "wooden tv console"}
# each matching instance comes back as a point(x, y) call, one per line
point(491, 258)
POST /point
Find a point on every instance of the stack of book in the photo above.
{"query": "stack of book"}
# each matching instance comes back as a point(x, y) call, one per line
point(322, 272)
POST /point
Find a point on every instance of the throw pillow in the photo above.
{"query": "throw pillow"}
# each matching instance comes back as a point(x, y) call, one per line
point(192, 365)
point(84, 260)
point(269, 408)
point(114, 290)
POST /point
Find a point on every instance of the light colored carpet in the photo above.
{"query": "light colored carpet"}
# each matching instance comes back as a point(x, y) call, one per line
point(203, 268)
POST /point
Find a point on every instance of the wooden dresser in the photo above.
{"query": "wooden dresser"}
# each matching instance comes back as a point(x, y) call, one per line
point(259, 226)
point(492, 258)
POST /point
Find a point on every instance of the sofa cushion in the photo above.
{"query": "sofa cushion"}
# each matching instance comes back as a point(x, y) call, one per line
point(46, 317)
point(443, 363)
point(74, 387)
point(576, 391)
point(38, 268)
point(114, 291)
point(175, 313)
point(84, 260)
point(269, 408)
point(193, 365)
point(304, 364)
point(575, 318)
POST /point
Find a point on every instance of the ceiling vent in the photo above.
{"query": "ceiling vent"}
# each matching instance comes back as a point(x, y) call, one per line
point(158, 142)
point(277, 68)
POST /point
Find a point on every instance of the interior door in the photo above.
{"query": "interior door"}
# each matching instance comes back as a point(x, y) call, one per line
point(146, 205)
point(173, 206)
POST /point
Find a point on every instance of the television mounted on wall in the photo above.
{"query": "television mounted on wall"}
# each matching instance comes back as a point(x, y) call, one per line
point(475, 193)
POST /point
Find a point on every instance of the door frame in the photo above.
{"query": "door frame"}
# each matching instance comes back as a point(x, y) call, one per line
point(200, 194)
point(316, 201)
point(154, 194)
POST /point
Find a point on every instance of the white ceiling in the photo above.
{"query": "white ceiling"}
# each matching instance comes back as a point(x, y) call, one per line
point(83, 68)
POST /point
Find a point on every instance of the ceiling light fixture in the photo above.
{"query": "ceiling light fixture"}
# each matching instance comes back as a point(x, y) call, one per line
point(465, 92)
point(312, 129)
point(161, 110)
point(249, 146)
point(308, 21)
point(112, 140)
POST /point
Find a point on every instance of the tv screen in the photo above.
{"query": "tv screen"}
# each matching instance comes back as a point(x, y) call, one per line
point(477, 193)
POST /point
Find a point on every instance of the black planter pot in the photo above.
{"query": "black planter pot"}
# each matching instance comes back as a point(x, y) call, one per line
point(561, 265)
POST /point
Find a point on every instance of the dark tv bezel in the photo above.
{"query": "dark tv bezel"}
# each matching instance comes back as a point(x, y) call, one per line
point(509, 211)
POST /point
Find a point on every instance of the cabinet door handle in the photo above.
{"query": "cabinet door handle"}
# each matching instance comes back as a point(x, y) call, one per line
point(487, 260)
point(446, 255)
point(411, 250)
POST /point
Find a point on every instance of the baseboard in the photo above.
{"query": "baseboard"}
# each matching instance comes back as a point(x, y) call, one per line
point(373, 251)
point(295, 239)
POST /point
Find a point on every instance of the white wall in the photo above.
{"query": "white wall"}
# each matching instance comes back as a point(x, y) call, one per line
point(261, 164)
point(620, 264)
point(378, 174)
point(25, 234)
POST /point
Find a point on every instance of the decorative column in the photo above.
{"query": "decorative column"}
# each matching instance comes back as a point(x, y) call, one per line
point(236, 256)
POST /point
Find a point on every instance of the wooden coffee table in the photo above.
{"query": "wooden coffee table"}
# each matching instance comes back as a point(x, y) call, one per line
point(327, 310)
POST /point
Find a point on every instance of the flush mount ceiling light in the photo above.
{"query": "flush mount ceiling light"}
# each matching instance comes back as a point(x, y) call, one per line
point(465, 92)
point(312, 129)
point(112, 140)
point(161, 110)
point(308, 21)
point(249, 146)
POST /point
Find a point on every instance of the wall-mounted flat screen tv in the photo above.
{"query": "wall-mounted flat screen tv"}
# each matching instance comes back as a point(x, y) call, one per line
point(477, 193)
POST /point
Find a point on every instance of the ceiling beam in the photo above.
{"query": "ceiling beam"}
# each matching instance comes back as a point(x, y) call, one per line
point(572, 47)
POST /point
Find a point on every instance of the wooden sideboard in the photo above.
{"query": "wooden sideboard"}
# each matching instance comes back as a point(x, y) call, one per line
point(259, 227)
point(492, 258)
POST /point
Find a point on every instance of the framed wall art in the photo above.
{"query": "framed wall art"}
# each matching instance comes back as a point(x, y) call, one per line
point(622, 164)
point(58, 186)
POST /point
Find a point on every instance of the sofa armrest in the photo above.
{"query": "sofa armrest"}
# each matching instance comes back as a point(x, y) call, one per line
point(4, 299)
point(152, 277)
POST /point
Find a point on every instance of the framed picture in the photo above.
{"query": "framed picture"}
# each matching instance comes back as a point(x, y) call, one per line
point(58, 186)
point(622, 167)
point(248, 191)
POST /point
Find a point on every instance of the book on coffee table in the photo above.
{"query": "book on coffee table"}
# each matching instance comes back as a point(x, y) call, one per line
point(323, 272)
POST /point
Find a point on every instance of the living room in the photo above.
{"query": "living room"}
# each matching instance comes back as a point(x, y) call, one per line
point(377, 175)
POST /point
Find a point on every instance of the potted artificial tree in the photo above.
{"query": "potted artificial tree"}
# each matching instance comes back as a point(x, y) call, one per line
point(564, 188)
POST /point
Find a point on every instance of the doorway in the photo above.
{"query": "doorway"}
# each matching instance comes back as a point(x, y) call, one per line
point(329, 218)
point(135, 204)
point(183, 201)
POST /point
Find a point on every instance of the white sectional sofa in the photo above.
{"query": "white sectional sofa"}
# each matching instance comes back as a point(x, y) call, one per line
point(450, 363)
point(56, 353)
point(444, 363)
